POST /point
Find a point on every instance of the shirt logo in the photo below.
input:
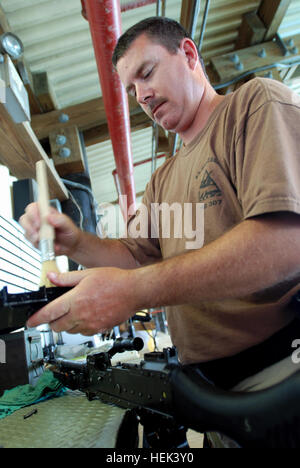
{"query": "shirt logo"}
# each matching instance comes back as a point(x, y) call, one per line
point(209, 187)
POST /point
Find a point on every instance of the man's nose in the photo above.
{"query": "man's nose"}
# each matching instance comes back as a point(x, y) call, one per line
point(143, 94)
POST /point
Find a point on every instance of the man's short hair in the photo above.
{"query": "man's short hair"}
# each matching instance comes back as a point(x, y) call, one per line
point(164, 31)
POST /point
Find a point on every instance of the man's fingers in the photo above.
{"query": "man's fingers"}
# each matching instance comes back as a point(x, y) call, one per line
point(78, 329)
point(57, 313)
point(65, 323)
point(70, 279)
point(52, 312)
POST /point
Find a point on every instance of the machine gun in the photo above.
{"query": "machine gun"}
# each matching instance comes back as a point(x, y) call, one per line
point(169, 398)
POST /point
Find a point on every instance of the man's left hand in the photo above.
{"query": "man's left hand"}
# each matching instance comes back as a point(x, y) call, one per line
point(100, 299)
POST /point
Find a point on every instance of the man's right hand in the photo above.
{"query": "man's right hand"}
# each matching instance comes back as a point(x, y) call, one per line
point(67, 234)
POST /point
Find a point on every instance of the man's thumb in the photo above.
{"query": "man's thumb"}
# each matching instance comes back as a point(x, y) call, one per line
point(70, 279)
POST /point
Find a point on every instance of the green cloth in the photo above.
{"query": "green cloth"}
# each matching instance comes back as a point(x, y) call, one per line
point(46, 387)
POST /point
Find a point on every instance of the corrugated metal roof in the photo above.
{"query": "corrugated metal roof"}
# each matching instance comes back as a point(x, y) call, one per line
point(291, 22)
point(57, 40)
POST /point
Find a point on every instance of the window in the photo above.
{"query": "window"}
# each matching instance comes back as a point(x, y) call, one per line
point(20, 263)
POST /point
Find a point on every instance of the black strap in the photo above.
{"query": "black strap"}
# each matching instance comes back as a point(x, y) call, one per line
point(227, 372)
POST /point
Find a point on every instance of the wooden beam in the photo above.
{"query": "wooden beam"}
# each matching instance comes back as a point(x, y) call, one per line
point(4, 25)
point(86, 115)
point(20, 150)
point(72, 163)
point(100, 133)
point(185, 15)
point(252, 31)
point(272, 13)
point(275, 75)
point(250, 59)
point(25, 74)
point(44, 92)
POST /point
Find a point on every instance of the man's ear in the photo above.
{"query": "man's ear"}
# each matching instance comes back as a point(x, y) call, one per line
point(189, 49)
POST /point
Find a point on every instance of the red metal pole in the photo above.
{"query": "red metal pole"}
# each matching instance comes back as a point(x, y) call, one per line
point(136, 4)
point(104, 17)
point(128, 6)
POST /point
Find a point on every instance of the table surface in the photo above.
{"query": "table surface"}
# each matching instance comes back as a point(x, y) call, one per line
point(68, 421)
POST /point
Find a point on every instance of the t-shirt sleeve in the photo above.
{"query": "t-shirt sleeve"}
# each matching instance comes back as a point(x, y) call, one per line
point(141, 237)
point(268, 158)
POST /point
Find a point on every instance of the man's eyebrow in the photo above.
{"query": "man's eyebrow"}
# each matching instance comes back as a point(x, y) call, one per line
point(137, 73)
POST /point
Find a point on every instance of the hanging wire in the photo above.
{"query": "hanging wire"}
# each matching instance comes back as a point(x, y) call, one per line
point(175, 142)
point(191, 30)
point(160, 11)
point(158, 8)
point(203, 27)
point(154, 146)
point(161, 8)
point(194, 20)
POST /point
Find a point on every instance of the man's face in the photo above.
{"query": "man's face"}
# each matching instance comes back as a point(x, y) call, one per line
point(160, 81)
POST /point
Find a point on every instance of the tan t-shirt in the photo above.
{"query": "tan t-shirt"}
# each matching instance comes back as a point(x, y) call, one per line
point(245, 162)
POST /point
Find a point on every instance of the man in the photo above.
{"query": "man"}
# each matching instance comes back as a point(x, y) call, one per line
point(228, 301)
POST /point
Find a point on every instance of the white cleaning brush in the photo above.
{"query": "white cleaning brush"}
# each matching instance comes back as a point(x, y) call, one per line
point(47, 232)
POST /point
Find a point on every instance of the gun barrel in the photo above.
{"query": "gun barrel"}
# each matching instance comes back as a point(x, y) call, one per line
point(64, 364)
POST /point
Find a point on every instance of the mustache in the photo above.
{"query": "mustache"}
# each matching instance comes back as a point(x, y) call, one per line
point(152, 105)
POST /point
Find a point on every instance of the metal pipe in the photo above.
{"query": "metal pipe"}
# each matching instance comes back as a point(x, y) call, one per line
point(174, 148)
point(194, 19)
point(154, 147)
point(158, 8)
point(205, 15)
point(105, 24)
point(136, 4)
point(191, 29)
point(128, 6)
point(139, 163)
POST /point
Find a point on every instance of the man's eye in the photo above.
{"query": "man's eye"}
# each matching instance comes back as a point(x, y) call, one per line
point(148, 73)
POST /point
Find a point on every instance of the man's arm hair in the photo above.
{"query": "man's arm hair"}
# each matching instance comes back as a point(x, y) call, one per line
point(255, 255)
point(94, 252)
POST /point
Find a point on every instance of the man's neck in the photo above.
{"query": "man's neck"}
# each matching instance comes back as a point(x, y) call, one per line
point(208, 103)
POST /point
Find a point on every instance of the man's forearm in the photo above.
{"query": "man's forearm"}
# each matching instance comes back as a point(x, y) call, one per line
point(93, 252)
point(255, 255)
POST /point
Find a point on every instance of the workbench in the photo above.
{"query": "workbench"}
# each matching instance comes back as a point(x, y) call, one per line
point(68, 421)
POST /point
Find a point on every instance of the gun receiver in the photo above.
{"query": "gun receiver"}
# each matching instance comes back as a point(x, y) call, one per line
point(15, 309)
point(164, 394)
point(145, 385)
